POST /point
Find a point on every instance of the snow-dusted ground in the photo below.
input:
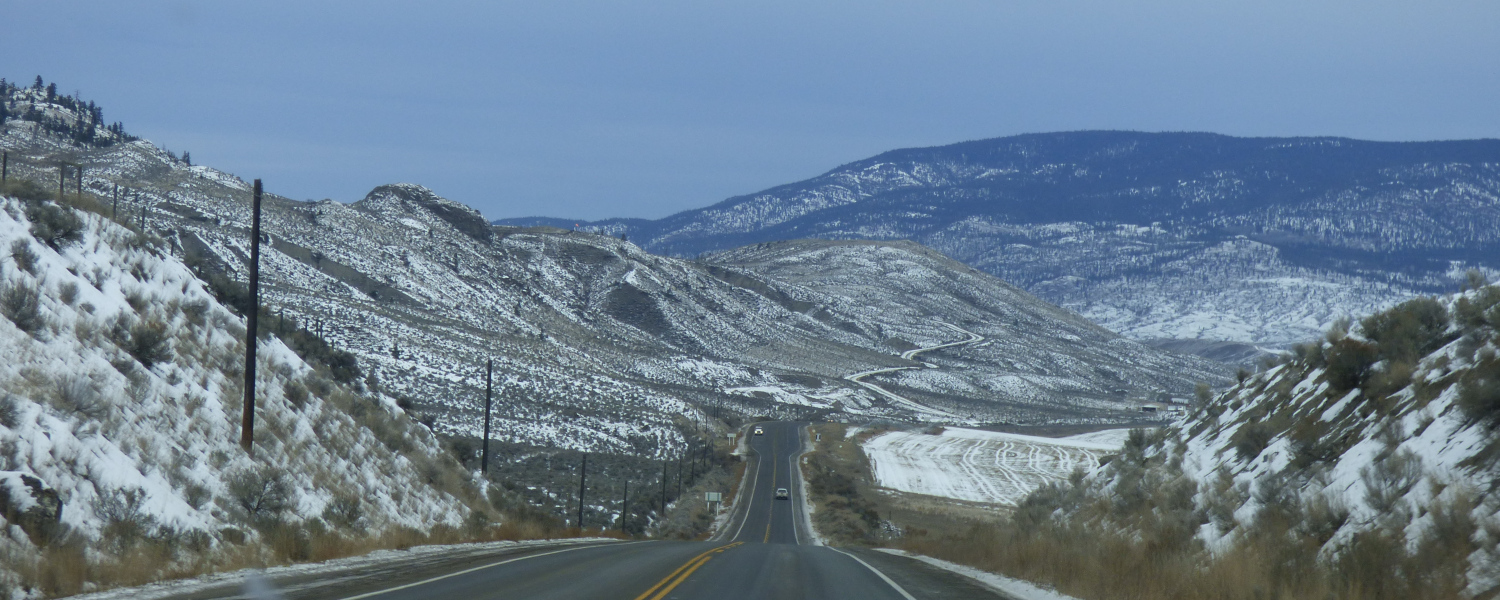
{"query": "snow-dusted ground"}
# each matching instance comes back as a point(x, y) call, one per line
point(1014, 588)
point(154, 444)
point(982, 466)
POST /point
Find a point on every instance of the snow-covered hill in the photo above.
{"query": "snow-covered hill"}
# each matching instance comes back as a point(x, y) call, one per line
point(598, 344)
point(1155, 235)
point(1368, 461)
point(1390, 421)
point(120, 401)
point(1033, 358)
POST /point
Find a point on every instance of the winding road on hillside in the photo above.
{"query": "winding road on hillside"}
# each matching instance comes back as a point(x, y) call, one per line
point(858, 378)
point(765, 550)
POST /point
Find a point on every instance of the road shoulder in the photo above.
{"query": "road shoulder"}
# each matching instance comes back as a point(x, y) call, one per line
point(1006, 587)
point(373, 570)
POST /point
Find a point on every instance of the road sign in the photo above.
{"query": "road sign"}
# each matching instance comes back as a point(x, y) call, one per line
point(713, 496)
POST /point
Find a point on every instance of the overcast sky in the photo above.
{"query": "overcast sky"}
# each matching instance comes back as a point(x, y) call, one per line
point(643, 109)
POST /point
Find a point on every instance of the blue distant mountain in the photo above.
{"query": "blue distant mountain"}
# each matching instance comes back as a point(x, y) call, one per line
point(1115, 223)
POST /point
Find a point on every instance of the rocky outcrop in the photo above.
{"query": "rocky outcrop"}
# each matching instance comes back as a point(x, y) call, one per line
point(30, 505)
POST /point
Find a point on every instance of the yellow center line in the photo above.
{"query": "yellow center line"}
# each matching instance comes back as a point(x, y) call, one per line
point(690, 566)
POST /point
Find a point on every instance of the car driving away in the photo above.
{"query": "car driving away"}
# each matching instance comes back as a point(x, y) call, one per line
point(781, 494)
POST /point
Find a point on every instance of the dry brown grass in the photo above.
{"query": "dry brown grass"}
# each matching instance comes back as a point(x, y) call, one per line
point(1142, 559)
point(1136, 542)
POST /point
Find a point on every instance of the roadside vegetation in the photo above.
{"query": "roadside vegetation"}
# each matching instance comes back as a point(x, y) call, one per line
point(838, 477)
point(1146, 527)
point(120, 399)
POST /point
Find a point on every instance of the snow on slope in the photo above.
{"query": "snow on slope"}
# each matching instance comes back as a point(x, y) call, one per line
point(124, 434)
point(601, 346)
point(1153, 235)
point(1000, 347)
point(1388, 431)
point(979, 466)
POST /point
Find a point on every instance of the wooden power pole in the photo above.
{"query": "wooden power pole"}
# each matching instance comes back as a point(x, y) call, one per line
point(625, 505)
point(247, 419)
point(583, 473)
point(489, 371)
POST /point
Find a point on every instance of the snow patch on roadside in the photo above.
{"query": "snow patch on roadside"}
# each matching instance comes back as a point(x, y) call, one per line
point(807, 446)
point(1000, 583)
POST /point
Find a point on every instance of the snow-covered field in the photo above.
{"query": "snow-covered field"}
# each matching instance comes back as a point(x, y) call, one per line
point(983, 466)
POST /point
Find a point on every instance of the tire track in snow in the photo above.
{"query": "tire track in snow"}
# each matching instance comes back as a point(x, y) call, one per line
point(978, 466)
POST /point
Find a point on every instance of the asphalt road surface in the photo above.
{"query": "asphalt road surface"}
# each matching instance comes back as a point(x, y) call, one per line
point(765, 551)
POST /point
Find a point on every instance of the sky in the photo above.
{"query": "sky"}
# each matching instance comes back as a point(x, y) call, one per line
point(590, 110)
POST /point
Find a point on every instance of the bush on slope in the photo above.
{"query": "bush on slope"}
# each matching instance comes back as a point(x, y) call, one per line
point(1362, 468)
point(120, 392)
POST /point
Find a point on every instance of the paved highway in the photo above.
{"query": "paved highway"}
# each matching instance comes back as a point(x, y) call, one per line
point(764, 551)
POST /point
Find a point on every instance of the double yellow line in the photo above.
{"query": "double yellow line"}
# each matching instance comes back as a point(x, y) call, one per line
point(670, 582)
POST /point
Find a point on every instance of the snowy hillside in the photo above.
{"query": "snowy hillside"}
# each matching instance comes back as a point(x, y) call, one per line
point(1031, 358)
point(597, 344)
point(120, 400)
point(1155, 235)
point(1391, 422)
point(1370, 458)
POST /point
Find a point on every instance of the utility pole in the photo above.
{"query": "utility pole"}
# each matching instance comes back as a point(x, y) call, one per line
point(114, 213)
point(62, 178)
point(78, 170)
point(625, 505)
point(4, 166)
point(679, 475)
point(663, 488)
point(252, 320)
point(583, 473)
point(489, 371)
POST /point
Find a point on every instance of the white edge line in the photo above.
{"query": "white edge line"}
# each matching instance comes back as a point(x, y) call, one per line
point(1000, 584)
point(804, 516)
point(791, 466)
point(876, 571)
point(751, 498)
point(479, 568)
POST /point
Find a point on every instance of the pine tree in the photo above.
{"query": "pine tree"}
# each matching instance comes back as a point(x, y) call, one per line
point(38, 85)
point(187, 159)
point(51, 91)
